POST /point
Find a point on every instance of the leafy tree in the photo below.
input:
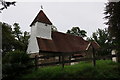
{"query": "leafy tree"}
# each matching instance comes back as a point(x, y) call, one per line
point(112, 12)
point(14, 39)
point(14, 45)
point(7, 38)
point(24, 40)
point(101, 36)
point(17, 31)
point(77, 32)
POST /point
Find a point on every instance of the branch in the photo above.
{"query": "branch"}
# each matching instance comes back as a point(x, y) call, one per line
point(6, 4)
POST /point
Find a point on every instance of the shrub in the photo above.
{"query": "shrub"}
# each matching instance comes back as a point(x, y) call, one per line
point(15, 63)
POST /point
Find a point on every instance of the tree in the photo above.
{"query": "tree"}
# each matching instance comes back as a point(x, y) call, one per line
point(7, 38)
point(14, 44)
point(14, 39)
point(101, 36)
point(17, 31)
point(77, 32)
point(112, 12)
point(6, 4)
point(22, 38)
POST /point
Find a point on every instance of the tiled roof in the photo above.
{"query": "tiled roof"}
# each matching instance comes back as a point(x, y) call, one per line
point(65, 43)
point(41, 17)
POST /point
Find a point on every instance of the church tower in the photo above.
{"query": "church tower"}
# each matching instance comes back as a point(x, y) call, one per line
point(40, 27)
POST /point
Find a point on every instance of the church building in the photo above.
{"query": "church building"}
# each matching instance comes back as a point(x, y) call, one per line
point(44, 40)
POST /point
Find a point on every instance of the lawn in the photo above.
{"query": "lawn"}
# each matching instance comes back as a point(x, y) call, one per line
point(83, 70)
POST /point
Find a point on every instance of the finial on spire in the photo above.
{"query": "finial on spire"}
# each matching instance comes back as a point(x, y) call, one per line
point(41, 7)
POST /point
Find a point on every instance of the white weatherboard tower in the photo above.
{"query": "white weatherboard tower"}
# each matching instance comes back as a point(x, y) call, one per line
point(40, 27)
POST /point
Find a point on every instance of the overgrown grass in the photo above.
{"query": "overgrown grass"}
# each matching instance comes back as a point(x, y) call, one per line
point(84, 70)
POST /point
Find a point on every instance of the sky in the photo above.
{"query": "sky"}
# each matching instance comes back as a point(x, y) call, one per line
point(64, 15)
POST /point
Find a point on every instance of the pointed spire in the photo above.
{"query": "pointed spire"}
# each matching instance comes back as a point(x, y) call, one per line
point(41, 17)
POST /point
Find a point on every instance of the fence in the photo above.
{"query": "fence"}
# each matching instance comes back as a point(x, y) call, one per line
point(63, 61)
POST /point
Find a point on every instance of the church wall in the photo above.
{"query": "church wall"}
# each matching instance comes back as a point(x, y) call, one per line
point(33, 46)
point(43, 30)
point(38, 30)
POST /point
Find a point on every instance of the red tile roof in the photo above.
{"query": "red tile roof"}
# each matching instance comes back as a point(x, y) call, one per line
point(41, 17)
point(65, 43)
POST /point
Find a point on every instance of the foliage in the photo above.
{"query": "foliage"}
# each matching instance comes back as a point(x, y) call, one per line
point(22, 38)
point(112, 12)
point(15, 63)
point(77, 32)
point(14, 39)
point(83, 70)
point(8, 39)
point(6, 4)
point(17, 33)
point(15, 57)
point(101, 36)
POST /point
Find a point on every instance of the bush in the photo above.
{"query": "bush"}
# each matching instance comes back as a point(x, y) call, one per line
point(15, 63)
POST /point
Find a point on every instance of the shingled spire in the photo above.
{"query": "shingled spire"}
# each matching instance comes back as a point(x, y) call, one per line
point(41, 17)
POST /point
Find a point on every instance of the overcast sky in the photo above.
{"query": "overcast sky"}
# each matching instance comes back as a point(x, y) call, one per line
point(64, 15)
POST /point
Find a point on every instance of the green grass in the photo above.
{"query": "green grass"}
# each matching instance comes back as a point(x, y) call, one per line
point(86, 70)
